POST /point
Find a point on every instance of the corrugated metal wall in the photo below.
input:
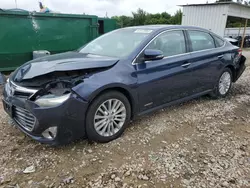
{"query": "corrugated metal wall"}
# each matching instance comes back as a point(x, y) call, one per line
point(239, 11)
point(211, 17)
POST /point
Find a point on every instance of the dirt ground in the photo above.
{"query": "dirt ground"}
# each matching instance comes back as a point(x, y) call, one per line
point(198, 144)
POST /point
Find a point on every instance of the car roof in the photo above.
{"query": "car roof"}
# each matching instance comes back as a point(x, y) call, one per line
point(166, 27)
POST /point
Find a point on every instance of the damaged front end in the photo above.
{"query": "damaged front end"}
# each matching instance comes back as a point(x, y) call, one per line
point(39, 96)
point(46, 90)
point(52, 114)
point(51, 79)
point(46, 108)
point(52, 93)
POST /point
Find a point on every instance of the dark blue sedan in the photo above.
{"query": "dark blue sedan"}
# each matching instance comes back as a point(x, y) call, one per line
point(94, 92)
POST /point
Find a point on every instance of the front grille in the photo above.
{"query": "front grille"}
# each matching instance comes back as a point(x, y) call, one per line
point(19, 91)
point(24, 118)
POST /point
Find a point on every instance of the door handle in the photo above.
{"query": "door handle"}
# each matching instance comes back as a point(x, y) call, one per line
point(220, 56)
point(186, 65)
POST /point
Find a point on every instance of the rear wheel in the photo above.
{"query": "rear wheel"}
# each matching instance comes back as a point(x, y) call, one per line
point(223, 85)
point(107, 117)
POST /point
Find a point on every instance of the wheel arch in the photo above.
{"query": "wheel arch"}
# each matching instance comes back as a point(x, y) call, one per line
point(123, 90)
point(233, 70)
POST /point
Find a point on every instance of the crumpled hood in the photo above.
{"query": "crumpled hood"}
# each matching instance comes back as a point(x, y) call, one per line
point(68, 61)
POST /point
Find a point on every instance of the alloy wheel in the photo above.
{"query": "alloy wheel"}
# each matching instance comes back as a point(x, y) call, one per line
point(109, 117)
point(224, 83)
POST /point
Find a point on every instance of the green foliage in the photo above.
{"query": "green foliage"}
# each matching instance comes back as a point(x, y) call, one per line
point(176, 19)
point(141, 17)
point(123, 21)
point(236, 22)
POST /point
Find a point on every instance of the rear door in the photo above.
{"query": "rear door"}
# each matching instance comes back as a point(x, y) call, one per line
point(207, 58)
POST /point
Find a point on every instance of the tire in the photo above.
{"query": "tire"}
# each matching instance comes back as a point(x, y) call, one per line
point(111, 128)
point(217, 93)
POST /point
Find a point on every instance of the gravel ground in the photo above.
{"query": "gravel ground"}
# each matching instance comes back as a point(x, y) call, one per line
point(201, 143)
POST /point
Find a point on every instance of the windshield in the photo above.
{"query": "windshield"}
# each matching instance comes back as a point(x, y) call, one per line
point(119, 43)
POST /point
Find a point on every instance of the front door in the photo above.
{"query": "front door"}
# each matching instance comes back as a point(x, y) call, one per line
point(168, 79)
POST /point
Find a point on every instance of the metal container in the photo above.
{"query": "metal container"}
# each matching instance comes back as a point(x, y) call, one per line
point(22, 33)
point(106, 25)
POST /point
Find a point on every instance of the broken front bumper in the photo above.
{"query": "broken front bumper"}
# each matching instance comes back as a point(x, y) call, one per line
point(69, 118)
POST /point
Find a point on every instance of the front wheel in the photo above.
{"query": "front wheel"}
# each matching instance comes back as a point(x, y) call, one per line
point(107, 117)
point(223, 85)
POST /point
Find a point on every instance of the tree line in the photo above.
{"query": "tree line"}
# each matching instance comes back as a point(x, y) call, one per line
point(141, 17)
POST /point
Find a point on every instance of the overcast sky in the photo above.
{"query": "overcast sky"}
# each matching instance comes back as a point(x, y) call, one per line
point(100, 7)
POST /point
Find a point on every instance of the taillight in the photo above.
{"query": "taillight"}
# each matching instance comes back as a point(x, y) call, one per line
point(239, 52)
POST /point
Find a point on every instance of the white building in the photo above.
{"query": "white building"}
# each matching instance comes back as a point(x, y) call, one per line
point(213, 16)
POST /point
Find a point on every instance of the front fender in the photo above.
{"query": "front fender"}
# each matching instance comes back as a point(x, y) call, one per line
point(88, 93)
point(97, 83)
point(121, 77)
point(90, 90)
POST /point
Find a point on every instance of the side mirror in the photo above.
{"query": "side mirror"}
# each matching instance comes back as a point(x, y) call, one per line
point(151, 55)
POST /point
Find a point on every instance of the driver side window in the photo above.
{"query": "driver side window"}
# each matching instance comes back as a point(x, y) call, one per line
point(170, 43)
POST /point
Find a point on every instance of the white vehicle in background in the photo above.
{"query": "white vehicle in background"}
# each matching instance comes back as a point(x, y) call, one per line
point(237, 41)
point(232, 41)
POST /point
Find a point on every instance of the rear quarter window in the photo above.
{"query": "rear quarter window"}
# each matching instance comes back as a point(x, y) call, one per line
point(218, 41)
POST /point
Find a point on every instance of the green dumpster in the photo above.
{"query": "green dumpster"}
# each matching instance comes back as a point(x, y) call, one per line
point(106, 25)
point(22, 33)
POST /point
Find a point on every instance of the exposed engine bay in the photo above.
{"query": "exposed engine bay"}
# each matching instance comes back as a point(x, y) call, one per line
point(48, 81)
point(43, 80)
point(56, 83)
point(55, 88)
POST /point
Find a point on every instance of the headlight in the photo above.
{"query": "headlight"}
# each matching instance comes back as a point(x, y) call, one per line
point(7, 87)
point(51, 100)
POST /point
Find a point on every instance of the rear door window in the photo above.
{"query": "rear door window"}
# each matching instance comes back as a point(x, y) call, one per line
point(201, 40)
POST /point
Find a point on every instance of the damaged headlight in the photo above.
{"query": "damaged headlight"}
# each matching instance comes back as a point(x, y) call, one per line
point(51, 100)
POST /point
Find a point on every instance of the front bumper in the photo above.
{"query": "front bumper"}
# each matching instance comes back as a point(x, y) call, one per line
point(69, 118)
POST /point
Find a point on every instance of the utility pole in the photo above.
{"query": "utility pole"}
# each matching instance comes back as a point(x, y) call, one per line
point(16, 3)
point(243, 37)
